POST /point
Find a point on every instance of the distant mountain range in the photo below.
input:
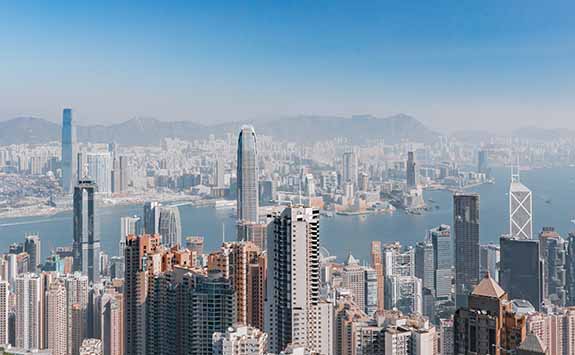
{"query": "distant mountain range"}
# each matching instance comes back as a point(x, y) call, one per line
point(144, 131)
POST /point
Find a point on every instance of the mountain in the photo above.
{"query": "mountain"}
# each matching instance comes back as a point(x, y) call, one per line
point(143, 131)
point(543, 134)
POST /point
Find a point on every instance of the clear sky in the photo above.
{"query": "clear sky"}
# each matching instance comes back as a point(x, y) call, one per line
point(452, 64)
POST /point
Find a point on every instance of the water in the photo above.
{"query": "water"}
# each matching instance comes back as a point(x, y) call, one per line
point(340, 234)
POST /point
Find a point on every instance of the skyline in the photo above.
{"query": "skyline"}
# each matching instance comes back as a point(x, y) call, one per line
point(472, 66)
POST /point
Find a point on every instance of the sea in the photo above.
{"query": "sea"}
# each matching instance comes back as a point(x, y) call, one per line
point(553, 205)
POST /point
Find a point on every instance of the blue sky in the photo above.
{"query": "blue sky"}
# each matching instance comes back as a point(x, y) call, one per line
point(452, 64)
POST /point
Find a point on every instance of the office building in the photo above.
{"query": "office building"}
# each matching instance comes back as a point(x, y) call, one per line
point(466, 228)
point(247, 176)
point(553, 252)
point(521, 269)
point(483, 163)
point(170, 226)
point(152, 217)
point(443, 261)
point(350, 168)
point(129, 226)
point(253, 232)
point(97, 166)
point(488, 324)
point(520, 208)
point(86, 247)
point(240, 340)
point(371, 291)
point(404, 293)
point(293, 278)
point(29, 292)
point(120, 174)
point(489, 255)
point(353, 279)
point(377, 265)
point(425, 264)
point(411, 171)
point(398, 261)
point(570, 269)
point(69, 153)
point(33, 247)
point(445, 337)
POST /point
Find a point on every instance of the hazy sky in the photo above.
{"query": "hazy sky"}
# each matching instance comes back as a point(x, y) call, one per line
point(452, 64)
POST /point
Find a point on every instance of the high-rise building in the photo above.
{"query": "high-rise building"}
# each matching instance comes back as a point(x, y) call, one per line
point(520, 209)
point(28, 311)
point(220, 171)
point(553, 252)
point(170, 226)
point(57, 318)
point(425, 264)
point(195, 244)
point(86, 231)
point(353, 279)
point(488, 325)
point(138, 257)
point(483, 163)
point(377, 265)
point(570, 270)
point(350, 168)
point(247, 176)
point(466, 228)
point(109, 321)
point(370, 290)
point(489, 256)
point(446, 337)
point(398, 261)
point(69, 173)
point(240, 340)
point(120, 174)
point(411, 171)
point(253, 232)
point(293, 278)
point(32, 246)
point(404, 293)
point(443, 261)
point(4, 310)
point(152, 217)
point(521, 269)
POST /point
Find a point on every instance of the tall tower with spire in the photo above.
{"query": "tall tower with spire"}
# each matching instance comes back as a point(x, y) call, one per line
point(520, 207)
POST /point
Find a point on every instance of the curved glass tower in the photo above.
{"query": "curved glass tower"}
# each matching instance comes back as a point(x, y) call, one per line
point(247, 175)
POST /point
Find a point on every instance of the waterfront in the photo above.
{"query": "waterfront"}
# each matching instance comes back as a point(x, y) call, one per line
point(553, 193)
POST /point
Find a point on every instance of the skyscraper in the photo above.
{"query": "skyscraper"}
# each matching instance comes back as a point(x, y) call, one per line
point(377, 265)
point(353, 279)
point(170, 226)
point(293, 279)
point(28, 311)
point(521, 269)
point(120, 174)
point(350, 168)
point(443, 261)
point(152, 217)
point(570, 270)
point(466, 226)
point(69, 174)
point(424, 264)
point(99, 169)
point(404, 293)
point(489, 256)
point(553, 252)
point(411, 171)
point(86, 245)
point(129, 226)
point(57, 314)
point(4, 310)
point(33, 248)
point(247, 176)
point(520, 209)
point(483, 163)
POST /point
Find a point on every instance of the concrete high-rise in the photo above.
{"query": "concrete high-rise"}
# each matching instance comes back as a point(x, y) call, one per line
point(28, 311)
point(520, 209)
point(570, 269)
point(443, 261)
point(170, 226)
point(353, 279)
point(33, 247)
point(247, 176)
point(57, 314)
point(86, 247)
point(240, 340)
point(293, 280)
point(152, 217)
point(120, 174)
point(377, 265)
point(129, 226)
point(521, 269)
point(4, 310)
point(466, 228)
point(411, 171)
point(98, 166)
point(69, 173)
point(350, 168)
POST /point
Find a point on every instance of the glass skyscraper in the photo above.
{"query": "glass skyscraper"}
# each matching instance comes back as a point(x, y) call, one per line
point(466, 228)
point(247, 175)
point(69, 175)
point(86, 247)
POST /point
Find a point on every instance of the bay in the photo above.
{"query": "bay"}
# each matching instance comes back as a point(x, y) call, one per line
point(553, 205)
